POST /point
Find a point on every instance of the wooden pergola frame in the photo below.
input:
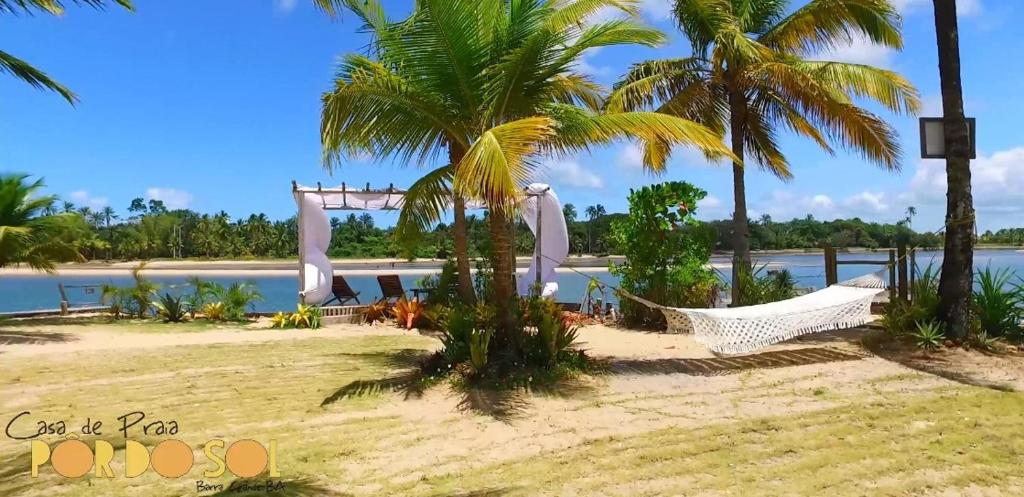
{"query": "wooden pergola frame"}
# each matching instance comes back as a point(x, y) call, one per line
point(390, 190)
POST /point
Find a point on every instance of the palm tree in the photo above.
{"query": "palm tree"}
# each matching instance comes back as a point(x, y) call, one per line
point(109, 215)
point(594, 212)
point(911, 212)
point(958, 254)
point(492, 85)
point(569, 212)
point(751, 75)
point(27, 235)
point(23, 70)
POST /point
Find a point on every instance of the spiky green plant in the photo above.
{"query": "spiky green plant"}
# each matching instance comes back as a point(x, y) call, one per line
point(237, 298)
point(479, 343)
point(171, 308)
point(998, 304)
point(491, 86)
point(929, 335)
point(754, 72)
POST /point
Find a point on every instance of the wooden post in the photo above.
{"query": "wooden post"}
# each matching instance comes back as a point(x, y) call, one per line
point(901, 265)
point(831, 271)
point(64, 304)
point(892, 275)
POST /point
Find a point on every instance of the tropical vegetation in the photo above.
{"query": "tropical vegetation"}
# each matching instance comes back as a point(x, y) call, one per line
point(30, 233)
point(494, 87)
point(754, 71)
point(996, 312)
point(667, 252)
point(198, 298)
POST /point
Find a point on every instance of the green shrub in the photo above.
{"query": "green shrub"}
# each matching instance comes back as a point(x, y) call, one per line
point(929, 335)
point(237, 299)
point(760, 286)
point(170, 308)
point(903, 318)
point(479, 343)
point(133, 301)
point(999, 306)
point(667, 252)
point(306, 316)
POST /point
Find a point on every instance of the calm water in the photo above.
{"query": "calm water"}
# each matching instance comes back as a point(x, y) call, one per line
point(18, 293)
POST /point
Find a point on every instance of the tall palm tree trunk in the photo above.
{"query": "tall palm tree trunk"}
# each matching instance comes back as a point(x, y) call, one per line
point(465, 281)
point(741, 262)
point(958, 257)
point(503, 265)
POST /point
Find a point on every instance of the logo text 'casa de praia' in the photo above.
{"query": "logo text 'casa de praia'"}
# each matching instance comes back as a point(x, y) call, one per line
point(171, 458)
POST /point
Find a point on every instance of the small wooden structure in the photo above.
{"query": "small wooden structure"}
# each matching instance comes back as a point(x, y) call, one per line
point(900, 263)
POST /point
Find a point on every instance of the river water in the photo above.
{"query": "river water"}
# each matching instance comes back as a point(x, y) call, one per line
point(30, 292)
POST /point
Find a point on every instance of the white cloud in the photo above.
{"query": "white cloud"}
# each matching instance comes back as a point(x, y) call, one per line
point(867, 203)
point(588, 66)
point(997, 182)
point(571, 173)
point(963, 7)
point(711, 207)
point(861, 50)
point(631, 156)
point(285, 5)
point(83, 199)
point(656, 10)
point(172, 198)
point(822, 201)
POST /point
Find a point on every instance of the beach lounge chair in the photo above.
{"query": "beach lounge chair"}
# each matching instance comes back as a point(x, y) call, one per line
point(342, 292)
point(391, 288)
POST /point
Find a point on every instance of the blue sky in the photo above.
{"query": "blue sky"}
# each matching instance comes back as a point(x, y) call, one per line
point(215, 106)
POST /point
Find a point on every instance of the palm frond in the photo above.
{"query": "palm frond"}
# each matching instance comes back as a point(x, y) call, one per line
point(425, 202)
point(497, 163)
point(888, 88)
point(826, 24)
point(650, 82)
point(25, 72)
point(578, 130)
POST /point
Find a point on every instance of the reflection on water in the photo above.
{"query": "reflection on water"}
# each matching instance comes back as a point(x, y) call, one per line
point(40, 291)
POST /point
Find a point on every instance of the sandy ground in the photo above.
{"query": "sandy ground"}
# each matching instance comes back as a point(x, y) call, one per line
point(655, 381)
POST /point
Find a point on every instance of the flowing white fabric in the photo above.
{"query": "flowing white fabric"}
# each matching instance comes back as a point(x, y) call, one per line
point(554, 238)
point(741, 330)
point(316, 233)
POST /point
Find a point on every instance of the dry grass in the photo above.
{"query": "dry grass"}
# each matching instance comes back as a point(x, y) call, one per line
point(849, 428)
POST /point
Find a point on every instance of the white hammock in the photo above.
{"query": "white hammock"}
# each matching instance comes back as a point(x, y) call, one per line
point(745, 329)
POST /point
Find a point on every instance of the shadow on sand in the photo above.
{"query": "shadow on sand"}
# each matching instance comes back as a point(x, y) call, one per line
point(732, 364)
point(12, 337)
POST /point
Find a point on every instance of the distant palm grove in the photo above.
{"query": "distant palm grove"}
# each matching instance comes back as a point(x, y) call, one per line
point(149, 230)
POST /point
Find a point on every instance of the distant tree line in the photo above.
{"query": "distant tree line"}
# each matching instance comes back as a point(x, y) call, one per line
point(150, 230)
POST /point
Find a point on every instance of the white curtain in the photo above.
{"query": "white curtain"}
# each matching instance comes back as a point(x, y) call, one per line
point(554, 238)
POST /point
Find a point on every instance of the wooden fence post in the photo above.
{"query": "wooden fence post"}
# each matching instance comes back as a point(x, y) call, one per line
point(892, 275)
point(831, 271)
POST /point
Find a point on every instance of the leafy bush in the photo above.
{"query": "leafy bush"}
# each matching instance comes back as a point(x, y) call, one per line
point(760, 286)
point(929, 335)
point(134, 301)
point(999, 306)
point(170, 308)
point(214, 311)
point(902, 318)
point(479, 343)
point(407, 313)
point(667, 252)
point(202, 292)
point(279, 320)
point(237, 298)
point(441, 288)
point(375, 312)
point(306, 316)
